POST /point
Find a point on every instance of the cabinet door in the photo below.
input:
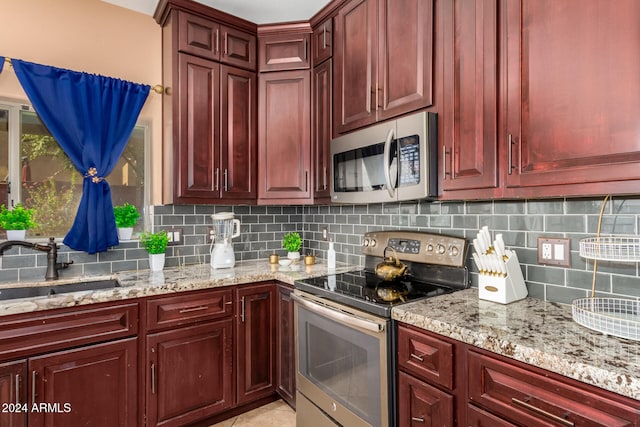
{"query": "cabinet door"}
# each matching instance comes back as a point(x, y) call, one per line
point(476, 417)
point(356, 58)
point(405, 65)
point(238, 48)
point(255, 342)
point(198, 36)
point(286, 350)
point(572, 94)
point(13, 394)
point(196, 152)
point(284, 52)
point(321, 130)
point(284, 135)
point(189, 373)
point(470, 142)
point(89, 386)
point(420, 404)
point(322, 42)
point(239, 146)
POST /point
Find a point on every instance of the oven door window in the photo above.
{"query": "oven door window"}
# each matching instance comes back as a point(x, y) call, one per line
point(343, 362)
point(362, 169)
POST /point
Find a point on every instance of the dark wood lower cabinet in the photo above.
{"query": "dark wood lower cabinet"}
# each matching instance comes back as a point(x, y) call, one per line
point(286, 350)
point(13, 394)
point(420, 404)
point(190, 373)
point(96, 386)
point(255, 341)
point(489, 390)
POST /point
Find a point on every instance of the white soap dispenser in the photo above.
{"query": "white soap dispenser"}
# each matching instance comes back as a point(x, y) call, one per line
point(331, 256)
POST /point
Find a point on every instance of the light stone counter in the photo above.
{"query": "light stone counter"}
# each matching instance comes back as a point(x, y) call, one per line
point(533, 331)
point(135, 284)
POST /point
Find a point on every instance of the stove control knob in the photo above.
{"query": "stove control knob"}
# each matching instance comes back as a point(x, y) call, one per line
point(440, 249)
point(372, 243)
point(365, 243)
point(429, 247)
point(453, 251)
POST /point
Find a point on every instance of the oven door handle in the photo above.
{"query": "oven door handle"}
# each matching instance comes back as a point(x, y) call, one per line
point(344, 318)
point(387, 163)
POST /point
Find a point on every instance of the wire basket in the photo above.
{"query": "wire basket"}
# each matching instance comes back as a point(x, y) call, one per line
point(611, 248)
point(611, 316)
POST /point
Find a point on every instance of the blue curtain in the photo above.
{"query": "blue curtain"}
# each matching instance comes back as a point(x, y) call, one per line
point(92, 118)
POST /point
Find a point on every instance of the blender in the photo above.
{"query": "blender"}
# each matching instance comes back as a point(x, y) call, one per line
point(225, 228)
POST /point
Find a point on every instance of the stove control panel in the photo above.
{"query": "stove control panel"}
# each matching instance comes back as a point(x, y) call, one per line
point(427, 248)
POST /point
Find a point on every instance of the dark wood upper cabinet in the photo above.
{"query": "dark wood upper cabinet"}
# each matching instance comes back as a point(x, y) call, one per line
point(284, 52)
point(537, 102)
point(198, 36)
point(572, 93)
point(321, 129)
point(383, 60)
point(470, 110)
point(322, 42)
point(284, 148)
point(238, 131)
point(238, 48)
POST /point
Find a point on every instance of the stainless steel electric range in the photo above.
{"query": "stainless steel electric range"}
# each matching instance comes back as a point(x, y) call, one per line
point(346, 347)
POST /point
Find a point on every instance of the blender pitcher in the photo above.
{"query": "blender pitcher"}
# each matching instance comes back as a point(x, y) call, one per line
point(225, 228)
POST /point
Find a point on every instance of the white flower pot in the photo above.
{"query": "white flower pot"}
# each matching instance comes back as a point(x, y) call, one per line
point(156, 262)
point(124, 233)
point(294, 256)
point(16, 234)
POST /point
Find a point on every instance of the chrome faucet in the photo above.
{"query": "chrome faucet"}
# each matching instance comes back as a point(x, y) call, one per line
point(52, 255)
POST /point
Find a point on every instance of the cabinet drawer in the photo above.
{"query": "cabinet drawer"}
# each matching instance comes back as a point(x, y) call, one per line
point(531, 399)
point(38, 333)
point(425, 356)
point(186, 309)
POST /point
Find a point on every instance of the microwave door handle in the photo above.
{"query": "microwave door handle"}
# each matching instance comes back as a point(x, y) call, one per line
point(387, 165)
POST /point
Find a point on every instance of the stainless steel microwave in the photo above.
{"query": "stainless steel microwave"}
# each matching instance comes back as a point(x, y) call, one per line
point(390, 161)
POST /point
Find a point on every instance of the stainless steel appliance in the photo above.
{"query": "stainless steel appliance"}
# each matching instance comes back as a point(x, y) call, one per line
point(346, 344)
point(390, 161)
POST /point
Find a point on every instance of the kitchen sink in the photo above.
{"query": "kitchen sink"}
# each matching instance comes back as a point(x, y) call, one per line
point(44, 290)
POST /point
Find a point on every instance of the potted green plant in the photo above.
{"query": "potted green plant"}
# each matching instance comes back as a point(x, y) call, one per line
point(292, 242)
point(126, 217)
point(16, 221)
point(156, 245)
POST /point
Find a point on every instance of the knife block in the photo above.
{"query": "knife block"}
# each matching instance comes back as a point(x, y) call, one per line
point(504, 289)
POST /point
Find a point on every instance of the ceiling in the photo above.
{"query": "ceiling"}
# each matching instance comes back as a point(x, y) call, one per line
point(256, 11)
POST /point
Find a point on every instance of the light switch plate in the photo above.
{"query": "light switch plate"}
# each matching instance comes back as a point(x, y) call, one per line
point(554, 251)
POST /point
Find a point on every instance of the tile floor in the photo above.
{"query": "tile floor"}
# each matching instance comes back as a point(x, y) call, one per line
point(274, 414)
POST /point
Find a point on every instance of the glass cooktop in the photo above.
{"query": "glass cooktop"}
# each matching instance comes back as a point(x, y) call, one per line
point(365, 291)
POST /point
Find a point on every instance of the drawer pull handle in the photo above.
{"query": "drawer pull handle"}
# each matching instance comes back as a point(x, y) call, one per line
point(190, 310)
point(417, 420)
point(542, 412)
point(419, 358)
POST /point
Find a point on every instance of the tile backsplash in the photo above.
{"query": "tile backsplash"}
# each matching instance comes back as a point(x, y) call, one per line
point(520, 221)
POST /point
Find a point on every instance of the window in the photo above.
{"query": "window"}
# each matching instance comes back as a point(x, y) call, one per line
point(36, 172)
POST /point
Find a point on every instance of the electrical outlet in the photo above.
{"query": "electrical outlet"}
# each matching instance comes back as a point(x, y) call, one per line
point(210, 233)
point(554, 251)
point(175, 236)
point(325, 233)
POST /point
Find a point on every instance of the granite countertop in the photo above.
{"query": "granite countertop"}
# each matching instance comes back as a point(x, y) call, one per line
point(136, 284)
point(533, 331)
